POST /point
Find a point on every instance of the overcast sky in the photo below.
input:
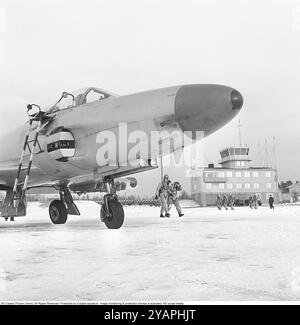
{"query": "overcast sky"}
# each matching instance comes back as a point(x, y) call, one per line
point(134, 45)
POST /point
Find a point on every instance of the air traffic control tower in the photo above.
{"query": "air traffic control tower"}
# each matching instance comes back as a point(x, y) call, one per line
point(234, 176)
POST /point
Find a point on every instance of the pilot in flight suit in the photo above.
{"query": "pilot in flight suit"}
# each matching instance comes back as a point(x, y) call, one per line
point(173, 197)
point(162, 192)
point(219, 202)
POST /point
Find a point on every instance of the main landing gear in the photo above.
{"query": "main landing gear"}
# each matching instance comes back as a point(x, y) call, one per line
point(112, 213)
point(58, 212)
point(60, 209)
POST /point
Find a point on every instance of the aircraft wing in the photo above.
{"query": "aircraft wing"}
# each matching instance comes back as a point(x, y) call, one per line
point(90, 182)
point(8, 173)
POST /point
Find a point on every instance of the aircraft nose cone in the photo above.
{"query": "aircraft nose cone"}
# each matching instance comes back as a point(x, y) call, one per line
point(206, 107)
point(236, 100)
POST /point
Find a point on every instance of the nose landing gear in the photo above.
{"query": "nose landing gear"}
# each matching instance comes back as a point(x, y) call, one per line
point(112, 212)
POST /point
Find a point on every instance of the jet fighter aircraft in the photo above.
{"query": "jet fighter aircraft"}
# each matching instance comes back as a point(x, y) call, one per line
point(59, 147)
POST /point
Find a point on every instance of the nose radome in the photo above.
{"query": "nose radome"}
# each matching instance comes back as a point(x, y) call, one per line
point(206, 107)
point(236, 100)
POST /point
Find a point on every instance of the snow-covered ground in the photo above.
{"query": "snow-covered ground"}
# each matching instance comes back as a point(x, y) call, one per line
point(207, 255)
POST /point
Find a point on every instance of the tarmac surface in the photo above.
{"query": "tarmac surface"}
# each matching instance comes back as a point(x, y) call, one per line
point(208, 255)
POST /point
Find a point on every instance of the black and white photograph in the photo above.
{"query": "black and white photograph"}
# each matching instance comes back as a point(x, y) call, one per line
point(149, 153)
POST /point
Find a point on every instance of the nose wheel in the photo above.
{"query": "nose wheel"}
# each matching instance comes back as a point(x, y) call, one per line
point(114, 216)
point(112, 212)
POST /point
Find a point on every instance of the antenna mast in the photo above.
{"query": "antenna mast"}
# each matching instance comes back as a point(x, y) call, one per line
point(275, 163)
point(275, 153)
point(259, 156)
point(267, 156)
point(240, 133)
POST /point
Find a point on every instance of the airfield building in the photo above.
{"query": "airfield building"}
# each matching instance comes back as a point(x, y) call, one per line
point(235, 176)
point(294, 192)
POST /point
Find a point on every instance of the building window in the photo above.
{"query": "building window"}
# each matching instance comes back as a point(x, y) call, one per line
point(229, 186)
point(242, 163)
point(209, 174)
point(238, 174)
point(269, 185)
point(255, 174)
point(238, 163)
point(208, 186)
point(238, 185)
point(229, 174)
point(221, 186)
point(221, 174)
point(256, 186)
point(247, 186)
point(224, 153)
point(268, 174)
point(247, 174)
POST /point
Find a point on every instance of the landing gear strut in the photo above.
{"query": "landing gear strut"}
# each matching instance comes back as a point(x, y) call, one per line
point(59, 209)
point(112, 213)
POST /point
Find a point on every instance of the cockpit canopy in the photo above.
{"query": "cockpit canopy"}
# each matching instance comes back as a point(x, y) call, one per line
point(80, 97)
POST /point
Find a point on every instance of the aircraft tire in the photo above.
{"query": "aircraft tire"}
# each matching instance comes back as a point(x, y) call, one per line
point(116, 218)
point(58, 212)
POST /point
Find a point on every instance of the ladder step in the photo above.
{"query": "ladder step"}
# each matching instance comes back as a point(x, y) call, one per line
point(43, 120)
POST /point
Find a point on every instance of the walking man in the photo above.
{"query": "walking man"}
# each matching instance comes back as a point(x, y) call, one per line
point(162, 193)
point(219, 202)
point(173, 197)
point(271, 202)
point(255, 202)
point(231, 201)
point(225, 202)
point(251, 202)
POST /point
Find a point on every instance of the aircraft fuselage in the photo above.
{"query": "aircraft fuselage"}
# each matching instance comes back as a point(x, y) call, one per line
point(182, 108)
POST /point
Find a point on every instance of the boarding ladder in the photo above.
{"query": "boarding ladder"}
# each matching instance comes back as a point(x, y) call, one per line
point(43, 119)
